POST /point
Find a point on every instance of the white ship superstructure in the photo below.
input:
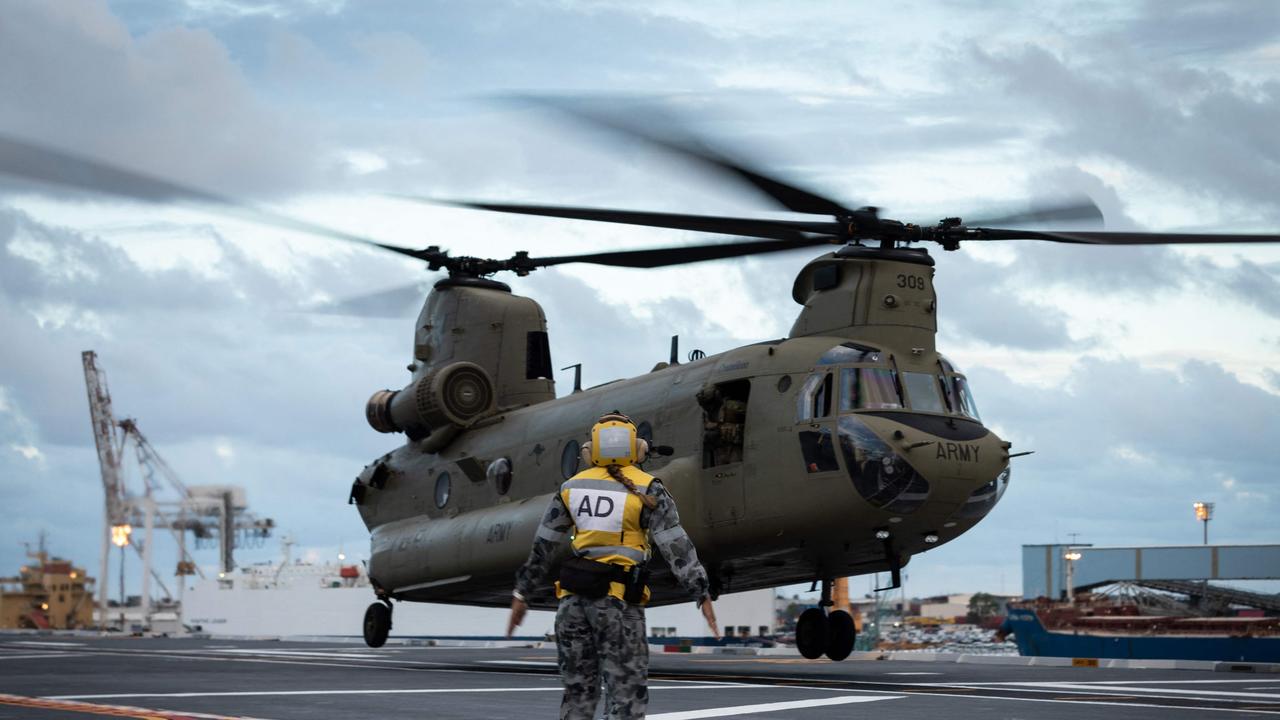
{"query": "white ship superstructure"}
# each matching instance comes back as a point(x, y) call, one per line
point(297, 598)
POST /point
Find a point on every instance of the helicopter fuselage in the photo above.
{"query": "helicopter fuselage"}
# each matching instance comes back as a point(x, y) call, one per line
point(840, 450)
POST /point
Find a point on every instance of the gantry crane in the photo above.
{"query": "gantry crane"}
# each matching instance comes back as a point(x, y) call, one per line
point(210, 513)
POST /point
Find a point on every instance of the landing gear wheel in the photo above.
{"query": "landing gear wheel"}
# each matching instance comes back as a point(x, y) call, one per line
point(840, 635)
point(811, 633)
point(377, 624)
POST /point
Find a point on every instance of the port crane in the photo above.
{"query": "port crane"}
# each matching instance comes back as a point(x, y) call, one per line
point(214, 514)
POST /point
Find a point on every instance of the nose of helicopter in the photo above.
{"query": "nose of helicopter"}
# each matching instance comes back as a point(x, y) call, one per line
point(927, 468)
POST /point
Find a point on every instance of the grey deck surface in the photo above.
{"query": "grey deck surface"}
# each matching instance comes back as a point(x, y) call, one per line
point(59, 677)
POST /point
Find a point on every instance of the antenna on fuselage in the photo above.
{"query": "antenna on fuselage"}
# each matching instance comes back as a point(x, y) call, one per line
point(577, 376)
point(675, 350)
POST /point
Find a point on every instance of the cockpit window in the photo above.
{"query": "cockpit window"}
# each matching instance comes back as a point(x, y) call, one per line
point(869, 389)
point(849, 353)
point(814, 400)
point(967, 406)
point(922, 391)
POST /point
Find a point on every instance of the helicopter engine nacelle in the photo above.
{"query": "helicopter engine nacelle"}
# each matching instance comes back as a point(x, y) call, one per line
point(450, 396)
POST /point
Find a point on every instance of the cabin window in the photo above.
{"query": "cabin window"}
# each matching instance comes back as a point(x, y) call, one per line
point(499, 475)
point(826, 277)
point(644, 431)
point(967, 406)
point(819, 451)
point(569, 458)
point(537, 363)
point(922, 391)
point(442, 489)
point(869, 389)
point(814, 400)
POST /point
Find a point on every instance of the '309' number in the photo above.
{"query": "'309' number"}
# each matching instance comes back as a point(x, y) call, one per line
point(914, 282)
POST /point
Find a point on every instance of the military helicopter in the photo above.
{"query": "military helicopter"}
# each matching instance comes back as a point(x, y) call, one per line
point(844, 448)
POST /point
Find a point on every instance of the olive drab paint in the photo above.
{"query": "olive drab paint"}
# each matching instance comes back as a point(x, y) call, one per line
point(760, 513)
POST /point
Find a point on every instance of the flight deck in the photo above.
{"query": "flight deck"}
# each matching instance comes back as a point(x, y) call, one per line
point(70, 677)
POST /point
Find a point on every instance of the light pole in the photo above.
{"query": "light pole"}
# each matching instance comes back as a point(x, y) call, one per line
point(1071, 556)
point(1204, 513)
point(120, 538)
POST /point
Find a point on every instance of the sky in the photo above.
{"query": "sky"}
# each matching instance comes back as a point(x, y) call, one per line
point(1143, 378)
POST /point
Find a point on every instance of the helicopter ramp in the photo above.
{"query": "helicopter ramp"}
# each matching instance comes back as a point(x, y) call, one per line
point(44, 676)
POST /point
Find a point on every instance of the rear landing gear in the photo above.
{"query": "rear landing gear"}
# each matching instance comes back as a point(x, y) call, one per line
point(377, 624)
point(819, 632)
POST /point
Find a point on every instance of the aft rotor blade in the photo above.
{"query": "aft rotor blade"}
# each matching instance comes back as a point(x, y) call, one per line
point(681, 142)
point(1118, 238)
point(662, 257)
point(29, 161)
point(1083, 210)
point(751, 227)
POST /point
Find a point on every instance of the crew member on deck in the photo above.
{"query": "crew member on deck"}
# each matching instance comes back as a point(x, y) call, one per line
point(616, 514)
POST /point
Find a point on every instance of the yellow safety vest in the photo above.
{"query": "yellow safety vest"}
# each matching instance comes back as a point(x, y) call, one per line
point(606, 516)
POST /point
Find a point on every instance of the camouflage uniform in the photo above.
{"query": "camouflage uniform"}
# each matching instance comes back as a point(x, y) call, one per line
point(604, 639)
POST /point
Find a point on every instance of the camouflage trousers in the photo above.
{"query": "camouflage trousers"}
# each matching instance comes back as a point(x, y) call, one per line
point(602, 640)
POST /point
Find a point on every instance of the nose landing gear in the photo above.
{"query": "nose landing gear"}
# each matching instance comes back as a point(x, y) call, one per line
point(377, 623)
point(819, 632)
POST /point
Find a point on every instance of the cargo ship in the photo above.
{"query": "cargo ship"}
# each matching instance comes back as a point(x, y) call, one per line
point(1120, 631)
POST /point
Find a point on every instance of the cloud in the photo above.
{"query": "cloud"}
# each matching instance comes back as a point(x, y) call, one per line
point(171, 103)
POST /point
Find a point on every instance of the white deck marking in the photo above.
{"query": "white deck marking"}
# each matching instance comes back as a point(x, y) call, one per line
point(1128, 689)
point(305, 654)
point(770, 707)
point(913, 673)
point(41, 655)
point(538, 663)
point(367, 691)
point(1122, 682)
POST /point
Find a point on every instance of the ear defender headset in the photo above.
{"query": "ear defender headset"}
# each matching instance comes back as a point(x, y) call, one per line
point(614, 442)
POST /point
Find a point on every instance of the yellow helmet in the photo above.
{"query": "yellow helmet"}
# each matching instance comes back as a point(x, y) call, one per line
point(614, 441)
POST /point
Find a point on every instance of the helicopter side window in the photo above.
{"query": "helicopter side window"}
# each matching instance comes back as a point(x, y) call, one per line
point(569, 458)
point(967, 406)
point(442, 489)
point(537, 359)
point(814, 400)
point(499, 474)
point(819, 451)
point(873, 388)
point(922, 391)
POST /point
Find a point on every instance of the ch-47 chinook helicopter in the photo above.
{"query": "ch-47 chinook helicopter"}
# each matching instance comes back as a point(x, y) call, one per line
point(842, 449)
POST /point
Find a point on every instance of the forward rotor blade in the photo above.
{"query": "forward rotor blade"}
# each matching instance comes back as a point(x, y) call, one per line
point(683, 143)
point(1120, 238)
point(29, 161)
point(662, 257)
point(751, 227)
point(1082, 209)
point(395, 303)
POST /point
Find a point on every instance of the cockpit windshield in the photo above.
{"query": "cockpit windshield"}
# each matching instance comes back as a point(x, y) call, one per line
point(869, 388)
point(967, 406)
point(923, 392)
point(956, 391)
